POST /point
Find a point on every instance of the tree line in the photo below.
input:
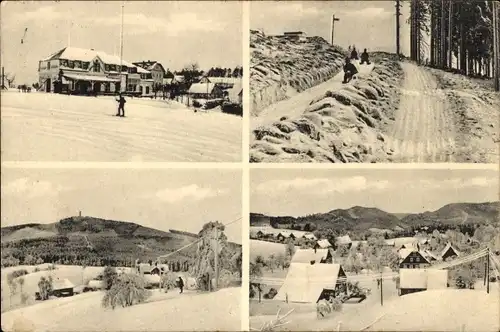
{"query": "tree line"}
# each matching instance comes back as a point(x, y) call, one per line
point(461, 29)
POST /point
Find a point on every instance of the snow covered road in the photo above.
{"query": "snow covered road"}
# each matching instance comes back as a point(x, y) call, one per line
point(53, 127)
point(423, 130)
point(296, 105)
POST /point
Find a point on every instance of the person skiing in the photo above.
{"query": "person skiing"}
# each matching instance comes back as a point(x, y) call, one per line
point(349, 70)
point(121, 105)
point(180, 283)
point(365, 57)
point(354, 53)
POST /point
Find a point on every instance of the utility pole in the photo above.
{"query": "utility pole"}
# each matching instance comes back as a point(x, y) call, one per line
point(450, 27)
point(3, 79)
point(381, 290)
point(122, 86)
point(442, 61)
point(488, 266)
point(216, 245)
point(496, 48)
point(398, 28)
point(334, 19)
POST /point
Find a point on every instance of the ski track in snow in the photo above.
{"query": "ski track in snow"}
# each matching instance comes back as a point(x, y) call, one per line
point(422, 131)
point(49, 127)
point(296, 105)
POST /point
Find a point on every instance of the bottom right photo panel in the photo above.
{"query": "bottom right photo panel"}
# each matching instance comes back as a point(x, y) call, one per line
point(374, 250)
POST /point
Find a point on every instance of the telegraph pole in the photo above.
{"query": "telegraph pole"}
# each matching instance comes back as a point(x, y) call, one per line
point(334, 19)
point(496, 49)
point(398, 28)
point(122, 86)
point(381, 290)
point(488, 266)
point(450, 26)
point(216, 245)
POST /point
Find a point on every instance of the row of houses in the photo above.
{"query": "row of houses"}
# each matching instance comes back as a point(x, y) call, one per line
point(417, 258)
point(280, 235)
point(87, 71)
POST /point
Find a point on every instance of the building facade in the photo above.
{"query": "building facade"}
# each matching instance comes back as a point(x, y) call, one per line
point(88, 72)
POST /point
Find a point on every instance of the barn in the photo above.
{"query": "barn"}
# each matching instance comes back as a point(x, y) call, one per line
point(322, 244)
point(205, 91)
point(418, 280)
point(62, 287)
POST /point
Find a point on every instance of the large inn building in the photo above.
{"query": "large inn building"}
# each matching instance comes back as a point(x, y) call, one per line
point(86, 71)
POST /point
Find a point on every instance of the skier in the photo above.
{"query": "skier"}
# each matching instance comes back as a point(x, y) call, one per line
point(180, 283)
point(349, 70)
point(354, 53)
point(365, 57)
point(121, 105)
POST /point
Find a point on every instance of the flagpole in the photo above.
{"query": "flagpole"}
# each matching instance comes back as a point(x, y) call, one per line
point(121, 51)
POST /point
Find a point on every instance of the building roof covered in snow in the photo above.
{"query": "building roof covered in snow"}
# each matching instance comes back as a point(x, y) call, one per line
point(343, 240)
point(310, 236)
point(305, 282)
point(201, 88)
point(149, 65)
point(355, 244)
point(309, 256)
point(448, 251)
point(323, 243)
point(423, 279)
point(58, 284)
point(86, 55)
point(404, 253)
point(224, 80)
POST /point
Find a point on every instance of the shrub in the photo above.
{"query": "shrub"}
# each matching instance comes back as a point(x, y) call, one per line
point(45, 288)
point(128, 290)
point(167, 281)
point(18, 273)
point(37, 269)
point(196, 103)
point(109, 277)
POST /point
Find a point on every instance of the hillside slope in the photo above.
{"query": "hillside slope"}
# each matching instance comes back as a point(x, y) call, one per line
point(94, 241)
point(360, 218)
point(458, 213)
point(281, 67)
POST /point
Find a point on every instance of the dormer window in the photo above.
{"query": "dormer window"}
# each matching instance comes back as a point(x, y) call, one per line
point(96, 66)
point(71, 64)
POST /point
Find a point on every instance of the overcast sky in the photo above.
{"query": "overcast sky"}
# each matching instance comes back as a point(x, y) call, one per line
point(174, 33)
point(300, 192)
point(366, 24)
point(161, 199)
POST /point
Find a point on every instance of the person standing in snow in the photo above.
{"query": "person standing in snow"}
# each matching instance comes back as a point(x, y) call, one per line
point(180, 284)
point(354, 53)
point(121, 105)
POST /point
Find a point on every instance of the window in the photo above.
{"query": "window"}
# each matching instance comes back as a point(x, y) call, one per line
point(48, 64)
point(417, 259)
point(130, 87)
point(140, 89)
point(85, 65)
point(106, 67)
point(147, 90)
point(71, 64)
point(97, 66)
point(411, 259)
point(78, 64)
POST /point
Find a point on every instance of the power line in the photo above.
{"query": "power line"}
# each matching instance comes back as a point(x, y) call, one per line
point(194, 242)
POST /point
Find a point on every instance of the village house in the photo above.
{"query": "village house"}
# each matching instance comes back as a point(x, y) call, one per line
point(449, 251)
point(87, 71)
point(155, 69)
point(306, 283)
point(418, 280)
point(205, 91)
point(312, 256)
point(322, 244)
point(235, 94)
point(412, 259)
point(223, 82)
point(343, 241)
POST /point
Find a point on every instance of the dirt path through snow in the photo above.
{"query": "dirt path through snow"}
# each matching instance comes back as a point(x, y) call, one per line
point(423, 130)
point(296, 105)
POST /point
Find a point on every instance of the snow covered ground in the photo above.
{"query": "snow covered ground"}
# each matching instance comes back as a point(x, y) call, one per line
point(53, 127)
point(192, 311)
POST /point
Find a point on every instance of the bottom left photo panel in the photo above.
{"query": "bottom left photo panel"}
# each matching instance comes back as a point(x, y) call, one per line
point(121, 249)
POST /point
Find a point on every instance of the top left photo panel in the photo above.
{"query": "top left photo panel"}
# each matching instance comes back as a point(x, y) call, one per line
point(113, 81)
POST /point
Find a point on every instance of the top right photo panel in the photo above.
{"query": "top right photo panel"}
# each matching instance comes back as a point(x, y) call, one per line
point(374, 81)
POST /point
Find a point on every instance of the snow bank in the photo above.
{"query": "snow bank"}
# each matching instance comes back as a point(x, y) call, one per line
point(343, 126)
point(280, 68)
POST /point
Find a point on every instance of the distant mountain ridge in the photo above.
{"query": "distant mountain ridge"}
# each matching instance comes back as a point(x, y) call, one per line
point(95, 239)
point(360, 218)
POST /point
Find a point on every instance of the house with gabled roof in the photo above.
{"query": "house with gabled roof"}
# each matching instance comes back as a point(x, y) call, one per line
point(412, 259)
point(344, 240)
point(418, 280)
point(449, 251)
point(322, 244)
point(306, 283)
point(312, 256)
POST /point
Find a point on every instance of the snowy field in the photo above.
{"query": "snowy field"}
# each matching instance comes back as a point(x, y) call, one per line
point(165, 312)
point(52, 127)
